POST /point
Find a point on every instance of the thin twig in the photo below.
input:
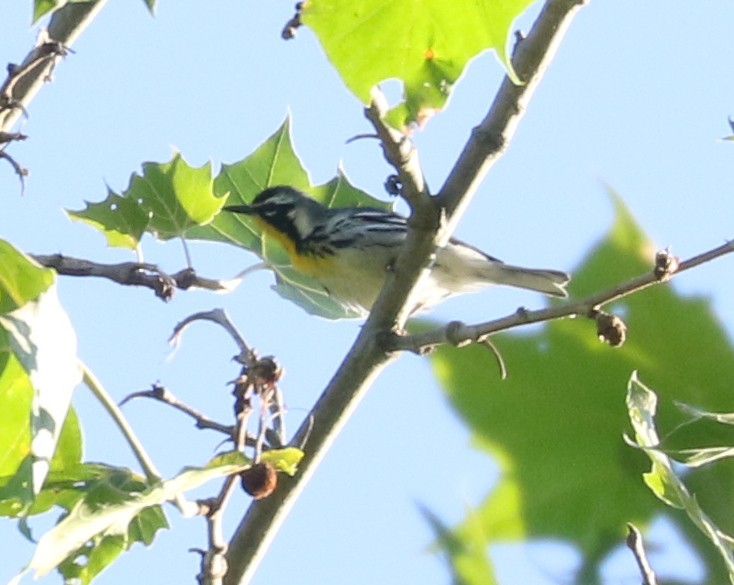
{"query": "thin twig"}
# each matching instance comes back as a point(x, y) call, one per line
point(635, 544)
point(213, 560)
point(399, 151)
point(247, 356)
point(255, 367)
point(132, 274)
point(19, 169)
point(460, 334)
point(166, 396)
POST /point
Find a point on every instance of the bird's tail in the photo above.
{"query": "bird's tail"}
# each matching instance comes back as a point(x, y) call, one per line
point(550, 282)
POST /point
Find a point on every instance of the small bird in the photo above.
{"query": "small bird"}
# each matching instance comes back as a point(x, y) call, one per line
point(349, 251)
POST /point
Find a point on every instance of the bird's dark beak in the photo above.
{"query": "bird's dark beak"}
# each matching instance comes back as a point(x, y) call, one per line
point(246, 209)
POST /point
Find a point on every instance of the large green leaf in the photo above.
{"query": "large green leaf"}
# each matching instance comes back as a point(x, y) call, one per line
point(276, 163)
point(555, 425)
point(424, 43)
point(167, 200)
point(114, 513)
point(65, 482)
point(38, 372)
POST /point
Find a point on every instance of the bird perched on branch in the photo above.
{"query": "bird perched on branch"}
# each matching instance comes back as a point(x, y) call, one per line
point(349, 250)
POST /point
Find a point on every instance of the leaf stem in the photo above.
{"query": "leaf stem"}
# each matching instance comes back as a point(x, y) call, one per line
point(116, 414)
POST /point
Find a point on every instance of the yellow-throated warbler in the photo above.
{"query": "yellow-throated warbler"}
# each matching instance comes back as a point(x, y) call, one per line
point(349, 250)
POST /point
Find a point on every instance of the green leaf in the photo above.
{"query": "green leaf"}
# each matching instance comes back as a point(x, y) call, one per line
point(555, 425)
point(425, 44)
point(167, 200)
point(273, 163)
point(726, 418)
point(662, 479)
point(63, 484)
point(122, 508)
point(21, 278)
point(100, 486)
point(43, 8)
point(276, 163)
point(642, 406)
point(121, 219)
point(467, 555)
point(38, 372)
point(701, 456)
point(285, 460)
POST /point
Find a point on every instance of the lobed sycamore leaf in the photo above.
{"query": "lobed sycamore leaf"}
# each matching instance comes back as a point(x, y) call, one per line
point(555, 425)
point(425, 44)
point(166, 200)
point(276, 163)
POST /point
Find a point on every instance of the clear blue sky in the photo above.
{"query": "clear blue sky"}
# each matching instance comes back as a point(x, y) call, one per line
point(636, 99)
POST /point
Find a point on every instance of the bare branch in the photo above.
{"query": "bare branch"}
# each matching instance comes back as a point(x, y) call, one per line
point(263, 372)
point(635, 544)
point(490, 139)
point(213, 560)
point(26, 79)
point(132, 274)
point(247, 356)
point(5, 139)
point(166, 396)
point(460, 334)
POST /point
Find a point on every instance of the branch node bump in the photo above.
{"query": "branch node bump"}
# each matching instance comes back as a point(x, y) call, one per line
point(456, 334)
point(493, 141)
point(665, 265)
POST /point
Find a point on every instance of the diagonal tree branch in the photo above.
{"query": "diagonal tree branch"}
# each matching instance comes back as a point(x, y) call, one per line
point(26, 79)
point(490, 139)
point(367, 358)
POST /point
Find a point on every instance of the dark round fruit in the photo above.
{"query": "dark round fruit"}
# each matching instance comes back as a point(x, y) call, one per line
point(259, 480)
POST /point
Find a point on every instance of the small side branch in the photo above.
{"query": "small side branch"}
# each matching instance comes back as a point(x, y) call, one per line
point(461, 334)
point(399, 152)
point(132, 274)
point(5, 139)
point(200, 420)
